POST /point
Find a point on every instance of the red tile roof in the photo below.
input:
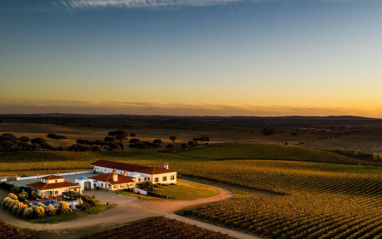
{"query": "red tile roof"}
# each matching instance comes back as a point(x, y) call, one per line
point(52, 177)
point(47, 186)
point(109, 178)
point(131, 167)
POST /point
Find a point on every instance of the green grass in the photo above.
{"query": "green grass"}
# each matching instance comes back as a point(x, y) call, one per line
point(132, 194)
point(58, 218)
point(97, 208)
point(187, 191)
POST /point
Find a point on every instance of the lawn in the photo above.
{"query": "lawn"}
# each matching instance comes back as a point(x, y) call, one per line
point(132, 194)
point(187, 191)
point(97, 208)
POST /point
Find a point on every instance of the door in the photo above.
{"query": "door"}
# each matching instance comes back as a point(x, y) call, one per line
point(88, 185)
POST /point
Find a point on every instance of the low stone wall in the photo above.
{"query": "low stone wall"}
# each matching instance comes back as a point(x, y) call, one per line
point(141, 191)
point(58, 174)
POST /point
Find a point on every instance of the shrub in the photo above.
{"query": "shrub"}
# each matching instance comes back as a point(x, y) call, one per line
point(33, 194)
point(22, 196)
point(63, 207)
point(52, 210)
point(15, 189)
point(28, 213)
point(11, 203)
point(21, 209)
point(12, 196)
point(39, 211)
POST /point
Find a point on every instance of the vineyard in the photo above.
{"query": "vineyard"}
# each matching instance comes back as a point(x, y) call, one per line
point(10, 232)
point(158, 228)
point(322, 201)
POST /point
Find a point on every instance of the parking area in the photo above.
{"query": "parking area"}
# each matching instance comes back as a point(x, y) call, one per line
point(68, 178)
point(109, 197)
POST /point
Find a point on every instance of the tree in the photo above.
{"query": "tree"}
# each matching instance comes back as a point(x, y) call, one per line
point(23, 146)
point(190, 143)
point(184, 146)
point(268, 131)
point(121, 137)
point(133, 135)
point(38, 141)
point(113, 146)
point(55, 136)
point(195, 141)
point(8, 146)
point(134, 141)
point(24, 139)
point(8, 137)
point(137, 146)
point(109, 139)
point(96, 148)
point(204, 139)
point(293, 133)
point(157, 141)
point(173, 138)
point(170, 146)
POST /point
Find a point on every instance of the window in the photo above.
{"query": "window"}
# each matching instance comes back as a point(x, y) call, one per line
point(56, 181)
point(148, 178)
point(156, 180)
point(75, 189)
point(56, 192)
point(164, 178)
point(172, 177)
point(122, 185)
point(139, 179)
point(101, 184)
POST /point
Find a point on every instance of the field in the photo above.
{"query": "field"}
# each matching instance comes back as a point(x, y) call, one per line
point(321, 194)
point(56, 161)
point(33, 130)
point(366, 141)
point(157, 228)
point(187, 191)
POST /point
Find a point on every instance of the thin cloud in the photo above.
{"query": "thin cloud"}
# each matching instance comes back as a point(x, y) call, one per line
point(82, 4)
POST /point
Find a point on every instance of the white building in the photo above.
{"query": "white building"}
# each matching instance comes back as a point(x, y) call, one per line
point(113, 181)
point(54, 186)
point(140, 174)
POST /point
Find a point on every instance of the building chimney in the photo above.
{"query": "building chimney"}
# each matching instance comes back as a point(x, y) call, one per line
point(165, 165)
point(125, 173)
point(115, 175)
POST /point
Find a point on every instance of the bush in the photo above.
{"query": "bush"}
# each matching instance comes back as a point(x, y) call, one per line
point(63, 208)
point(52, 210)
point(22, 196)
point(39, 211)
point(21, 209)
point(12, 196)
point(8, 186)
point(28, 213)
point(5, 201)
point(11, 203)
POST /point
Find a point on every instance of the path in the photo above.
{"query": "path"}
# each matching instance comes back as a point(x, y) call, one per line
point(128, 210)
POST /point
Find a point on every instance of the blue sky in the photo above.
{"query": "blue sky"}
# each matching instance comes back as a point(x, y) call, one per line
point(191, 57)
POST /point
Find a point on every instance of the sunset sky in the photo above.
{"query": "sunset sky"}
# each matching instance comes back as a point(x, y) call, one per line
point(191, 57)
